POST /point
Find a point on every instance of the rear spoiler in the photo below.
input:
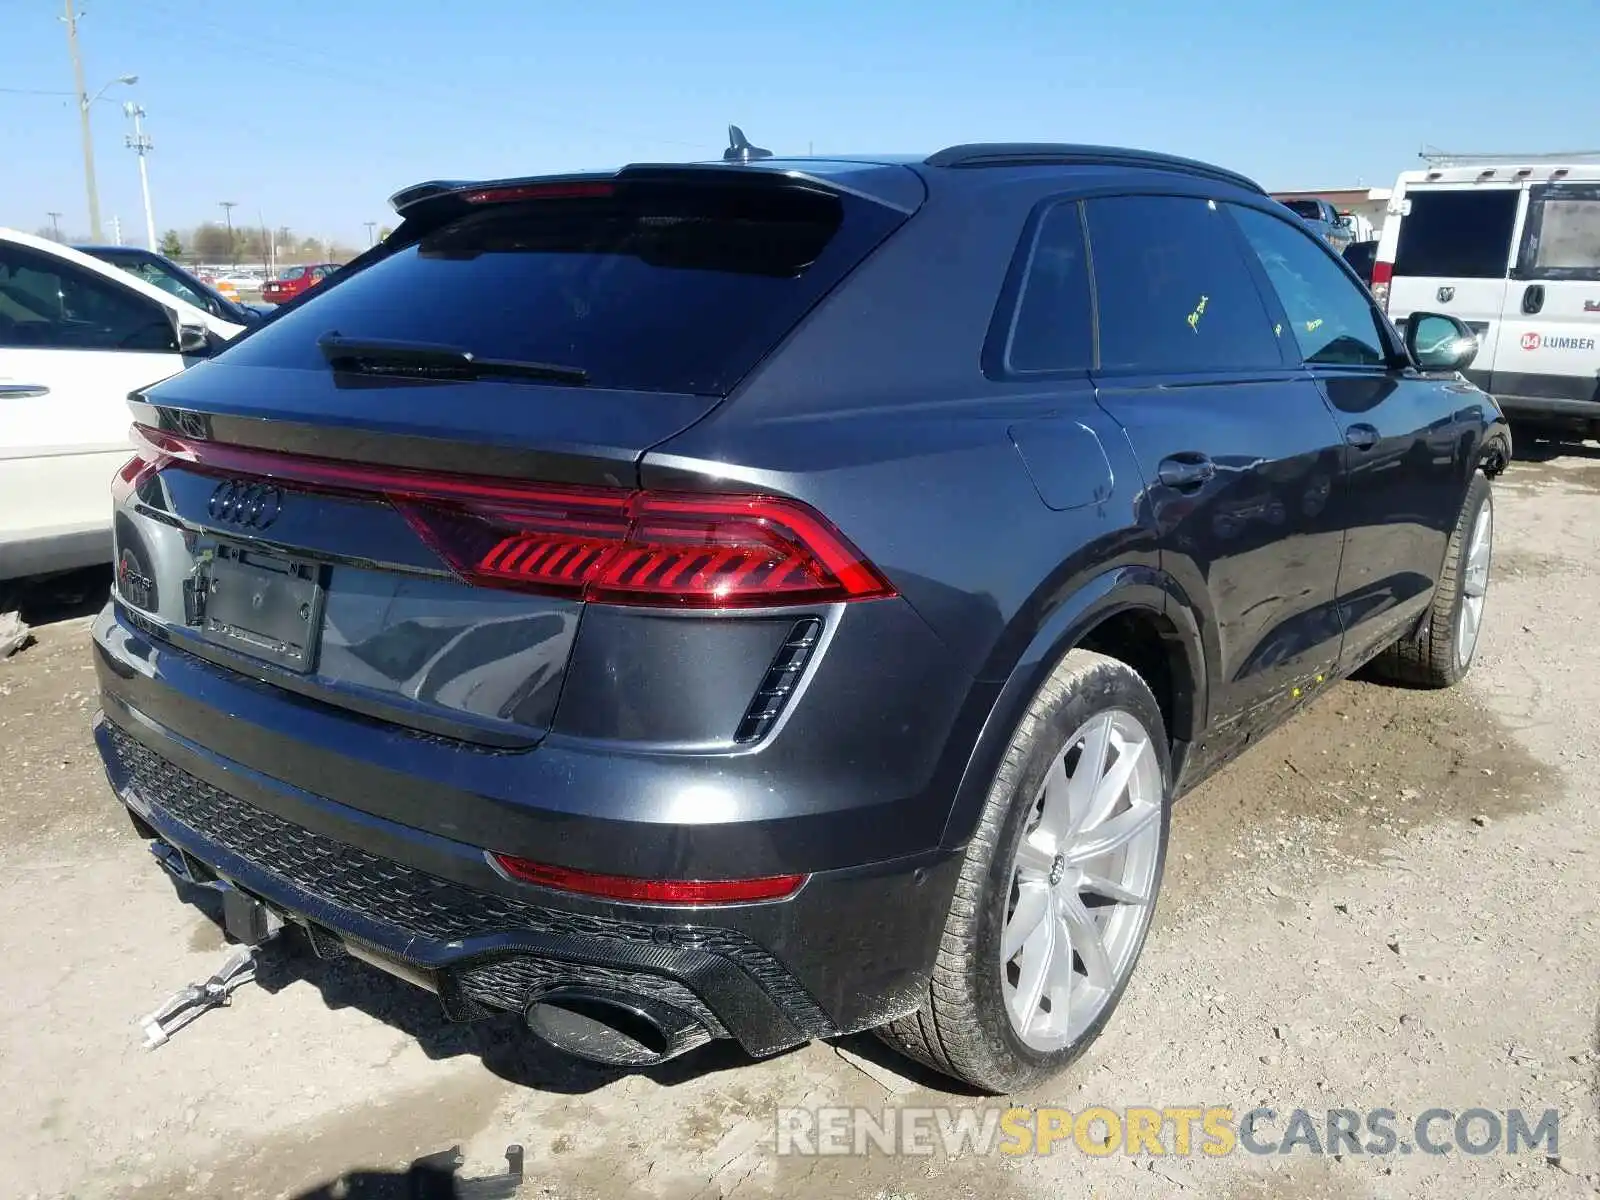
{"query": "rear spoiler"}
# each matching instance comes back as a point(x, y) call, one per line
point(893, 187)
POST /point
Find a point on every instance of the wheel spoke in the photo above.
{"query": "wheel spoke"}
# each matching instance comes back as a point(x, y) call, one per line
point(1056, 817)
point(1059, 983)
point(1114, 783)
point(1036, 855)
point(1099, 885)
point(1037, 952)
point(1087, 774)
point(1033, 904)
point(1087, 941)
point(1113, 834)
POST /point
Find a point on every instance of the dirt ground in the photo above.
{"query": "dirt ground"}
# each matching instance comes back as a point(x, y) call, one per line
point(1391, 902)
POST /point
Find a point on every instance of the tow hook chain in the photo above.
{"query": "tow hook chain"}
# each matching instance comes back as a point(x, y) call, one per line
point(189, 1002)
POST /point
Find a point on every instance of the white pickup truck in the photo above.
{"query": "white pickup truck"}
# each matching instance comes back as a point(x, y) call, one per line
point(76, 336)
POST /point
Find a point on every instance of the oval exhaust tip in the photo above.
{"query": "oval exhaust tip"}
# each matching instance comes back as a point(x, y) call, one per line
point(601, 1028)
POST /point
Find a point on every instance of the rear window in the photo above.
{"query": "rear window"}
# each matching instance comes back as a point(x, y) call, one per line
point(1464, 234)
point(291, 273)
point(672, 288)
point(1310, 210)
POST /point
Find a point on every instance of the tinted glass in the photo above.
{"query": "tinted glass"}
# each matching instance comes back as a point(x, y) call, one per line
point(679, 288)
point(1361, 256)
point(1457, 233)
point(153, 273)
point(1331, 318)
point(1173, 288)
point(48, 304)
point(1304, 208)
point(1569, 234)
point(291, 273)
point(1054, 330)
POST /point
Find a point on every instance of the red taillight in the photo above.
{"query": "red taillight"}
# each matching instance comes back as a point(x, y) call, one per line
point(541, 191)
point(650, 891)
point(1382, 273)
point(604, 545)
point(135, 471)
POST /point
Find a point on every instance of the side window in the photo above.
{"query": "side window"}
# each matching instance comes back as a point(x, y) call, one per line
point(1332, 320)
point(1054, 327)
point(1455, 232)
point(1566, 232)
point(1173, 288)
point(49, 304)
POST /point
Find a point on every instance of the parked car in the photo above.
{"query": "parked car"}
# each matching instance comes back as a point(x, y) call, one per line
point(1452, 244)
point(1324, 221)
point(828, 662)
point(291, 281)
point(170, 277)
point(76, 336)
point(1361, 256)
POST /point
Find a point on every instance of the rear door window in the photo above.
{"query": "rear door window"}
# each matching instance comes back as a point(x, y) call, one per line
point(1173, 290)
point(1457, 234)
point(675, 287)
point(1331, 318)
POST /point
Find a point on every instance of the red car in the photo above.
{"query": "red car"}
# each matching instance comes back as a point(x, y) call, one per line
point(294, 280)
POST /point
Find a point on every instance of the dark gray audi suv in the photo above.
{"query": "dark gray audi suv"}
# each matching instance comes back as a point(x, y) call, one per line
point(776, 598)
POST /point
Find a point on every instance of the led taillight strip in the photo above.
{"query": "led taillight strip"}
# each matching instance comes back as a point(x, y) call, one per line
point(605, 545)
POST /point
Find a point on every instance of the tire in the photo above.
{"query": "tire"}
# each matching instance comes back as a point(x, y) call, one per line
point(965, 1027)
point(1442, 650)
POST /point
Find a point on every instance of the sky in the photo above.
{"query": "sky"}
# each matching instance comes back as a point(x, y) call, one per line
point(310, 113)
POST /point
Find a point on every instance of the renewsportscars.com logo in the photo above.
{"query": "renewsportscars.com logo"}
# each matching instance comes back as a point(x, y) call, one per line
point(1178, 1131)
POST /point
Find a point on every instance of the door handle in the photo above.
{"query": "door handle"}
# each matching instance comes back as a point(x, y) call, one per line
point(1185, 472)
point(1361, 437)
point(22, 391)
point(1533, 298)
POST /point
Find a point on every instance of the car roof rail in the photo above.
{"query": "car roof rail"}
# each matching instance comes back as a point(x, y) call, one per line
point(1056, 154)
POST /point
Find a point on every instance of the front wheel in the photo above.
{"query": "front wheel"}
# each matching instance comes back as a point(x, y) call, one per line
point(1441, 653)
point(1057, 888)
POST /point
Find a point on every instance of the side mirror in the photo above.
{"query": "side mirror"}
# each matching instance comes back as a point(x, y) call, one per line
point(194, 341)
point(1440, 343)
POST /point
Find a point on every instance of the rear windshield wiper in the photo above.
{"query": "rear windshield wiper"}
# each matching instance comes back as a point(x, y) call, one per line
point(424, 360)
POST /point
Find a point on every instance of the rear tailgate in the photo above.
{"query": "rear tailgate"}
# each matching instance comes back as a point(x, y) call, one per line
point(409, 543)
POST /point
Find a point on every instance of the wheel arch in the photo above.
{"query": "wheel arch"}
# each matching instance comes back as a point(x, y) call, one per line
point(1136, 614)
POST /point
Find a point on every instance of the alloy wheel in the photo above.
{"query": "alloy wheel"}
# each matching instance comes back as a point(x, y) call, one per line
point(1083, 881)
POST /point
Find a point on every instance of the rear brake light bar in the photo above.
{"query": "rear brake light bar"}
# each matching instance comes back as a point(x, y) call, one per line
point(649, 891)
point(540, 191)
point(603, 545)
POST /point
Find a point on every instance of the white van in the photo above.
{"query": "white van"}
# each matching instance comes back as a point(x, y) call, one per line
point(1513, 249)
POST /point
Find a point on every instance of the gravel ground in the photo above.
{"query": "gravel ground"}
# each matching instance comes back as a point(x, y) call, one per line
point(1390, 903)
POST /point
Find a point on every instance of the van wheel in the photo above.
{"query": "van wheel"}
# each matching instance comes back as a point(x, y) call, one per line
point(1443, 649)
point(1058, 885)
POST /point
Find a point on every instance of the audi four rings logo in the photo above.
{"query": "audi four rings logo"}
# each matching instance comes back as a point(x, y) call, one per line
point(248, 505)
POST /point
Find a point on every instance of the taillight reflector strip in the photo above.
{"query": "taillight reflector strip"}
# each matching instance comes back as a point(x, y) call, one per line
point(603, 545)
point(650, 891)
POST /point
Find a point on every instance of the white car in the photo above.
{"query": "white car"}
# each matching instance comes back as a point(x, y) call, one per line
point(76, 336)
point(1513, 249)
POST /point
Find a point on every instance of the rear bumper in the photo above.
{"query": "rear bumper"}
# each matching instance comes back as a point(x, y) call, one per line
point(850, 950)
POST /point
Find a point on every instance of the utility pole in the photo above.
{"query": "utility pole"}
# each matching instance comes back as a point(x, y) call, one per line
point(227, 207)
point(141, 145)
point(55, 223)
point(266, 244)
point(371, 240)
point(71, 19)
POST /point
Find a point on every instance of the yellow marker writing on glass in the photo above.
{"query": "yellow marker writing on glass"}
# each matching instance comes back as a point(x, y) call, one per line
point(1199, 311)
